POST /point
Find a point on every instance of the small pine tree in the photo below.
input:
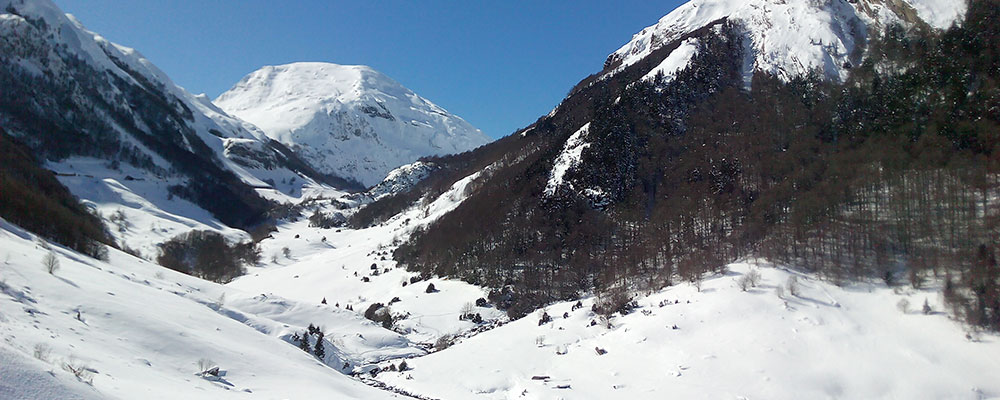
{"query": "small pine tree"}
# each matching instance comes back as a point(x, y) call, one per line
point(323, 301)
point(304, 343)
point(318, 350)
point(927, 308)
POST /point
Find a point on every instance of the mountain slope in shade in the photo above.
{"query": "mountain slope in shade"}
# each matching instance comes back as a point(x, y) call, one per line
point(789, 38)
point(68, 92)
point(351, 121)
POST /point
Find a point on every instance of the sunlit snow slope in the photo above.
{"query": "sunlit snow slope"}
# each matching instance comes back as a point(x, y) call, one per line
point(351, 121)
point(140, 331)
point(824, 342)
point(790, 37)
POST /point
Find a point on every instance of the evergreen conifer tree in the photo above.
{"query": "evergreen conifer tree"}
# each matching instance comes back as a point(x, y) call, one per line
point(318, 350)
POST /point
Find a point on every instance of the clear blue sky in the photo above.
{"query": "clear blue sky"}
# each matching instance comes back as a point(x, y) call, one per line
point(498, 64)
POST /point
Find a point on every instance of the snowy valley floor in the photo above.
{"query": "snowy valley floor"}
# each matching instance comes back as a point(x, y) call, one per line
point(143, 329)
point(722, 343)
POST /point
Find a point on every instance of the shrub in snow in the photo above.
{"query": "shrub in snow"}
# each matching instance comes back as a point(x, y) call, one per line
point(285, 251)
point(793, 285)
point(481, 302)
point(51, 262)
point(743, 283)
point(42, 352)
point(430, 288)
point(749, 280)
point(403, 367)
point(600, 351)
point(779, 291)
point(754, 276)
point(540, 340)
point(205, 366)
point(80, 370)
point(443, 342)
point(927, 308)
point(477, 319)
point(903, 306)
point(543, 318)
point(467, 312)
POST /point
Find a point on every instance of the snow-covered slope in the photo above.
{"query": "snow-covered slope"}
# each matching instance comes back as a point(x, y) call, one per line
point(351, 121)
point(825, 342)
point(401, 179)
point(355, 268)
point(38, 39)
point(137, 330)
point(790, 37)
point(128, 141)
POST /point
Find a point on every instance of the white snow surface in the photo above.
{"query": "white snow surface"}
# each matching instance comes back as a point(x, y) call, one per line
point(790, 37)
point(940, 14)
point(567, 159)
point(141, 330)
point(333, 264)
point(347, 120)
point(827, 342)
point(677, 60)
point(139, 212)
point(401, 179)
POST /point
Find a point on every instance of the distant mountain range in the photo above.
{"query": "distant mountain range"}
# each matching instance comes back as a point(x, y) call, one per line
point(349, 121)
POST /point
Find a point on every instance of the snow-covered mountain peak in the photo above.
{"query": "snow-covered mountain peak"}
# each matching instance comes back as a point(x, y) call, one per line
point(347, 120)
point(791, 37)
point(308, 81)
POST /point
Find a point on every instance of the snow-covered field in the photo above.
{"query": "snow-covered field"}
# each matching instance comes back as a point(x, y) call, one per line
point(827, 342)
point(142, 330)
point(138, 330)
point(355, 268)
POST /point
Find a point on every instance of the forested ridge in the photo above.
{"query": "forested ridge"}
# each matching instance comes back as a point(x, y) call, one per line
point(891, 175)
